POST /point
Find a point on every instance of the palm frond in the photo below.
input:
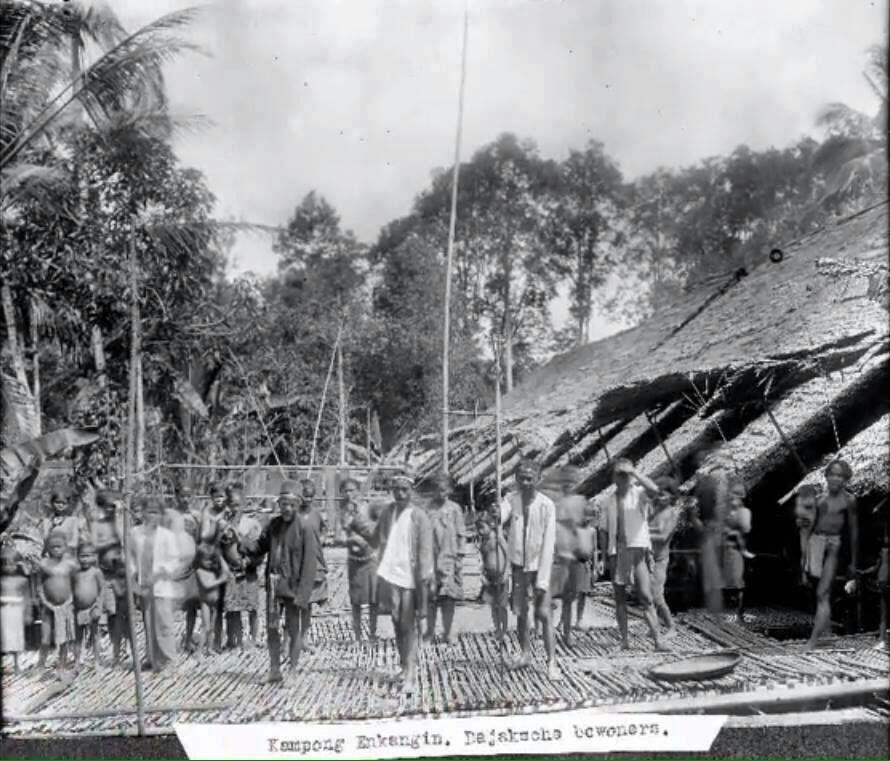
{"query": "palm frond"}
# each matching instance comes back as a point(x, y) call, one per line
point(22, 183)
point(109, 85)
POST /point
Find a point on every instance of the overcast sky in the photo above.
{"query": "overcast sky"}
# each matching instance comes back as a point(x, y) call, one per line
point(358, 98)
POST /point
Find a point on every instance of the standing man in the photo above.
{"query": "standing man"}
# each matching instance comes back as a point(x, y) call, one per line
point(243, 591)
point(313, 522)
point(155, 559)
point(738, 523)
point(626, 514)
point(836, 513)
point(405, 541)
point(361, 562)
point(711, 492)
point(530, 545)
point(290, 574)
point(663, 522)
point(210, 532)
point(186, 524)
point(447, 520)
point(107, 537)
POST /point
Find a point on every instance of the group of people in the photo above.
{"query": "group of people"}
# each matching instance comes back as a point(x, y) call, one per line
point(541, 544)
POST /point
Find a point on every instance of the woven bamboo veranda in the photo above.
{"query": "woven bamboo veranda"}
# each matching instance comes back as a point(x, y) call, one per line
point(342, 680)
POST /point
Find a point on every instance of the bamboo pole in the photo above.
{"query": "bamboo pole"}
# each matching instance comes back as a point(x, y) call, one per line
point(449, 256)
point(785, 440)
point(497, 422)
point(663, 446)
point(368, 434)
point(104, 713)
point(605, 448)
point(324, 396)
point(342, 406)
point(128, 484)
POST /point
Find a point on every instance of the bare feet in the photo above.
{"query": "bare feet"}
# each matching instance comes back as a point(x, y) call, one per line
point(274, 677)
point(522, 662)
point(554, 672)
point(662, 647)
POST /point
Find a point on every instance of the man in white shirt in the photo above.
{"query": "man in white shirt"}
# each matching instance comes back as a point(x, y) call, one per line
point(530, 545)
point(404, 537)
point(155, 557)
point(625, 520)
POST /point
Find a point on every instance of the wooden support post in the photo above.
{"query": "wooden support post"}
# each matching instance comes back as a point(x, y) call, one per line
point(330, 494)
point(128, 485)
point(674, 468)
point(785, 440)
point(368, 435)
point(342, 403)
point(497, 424)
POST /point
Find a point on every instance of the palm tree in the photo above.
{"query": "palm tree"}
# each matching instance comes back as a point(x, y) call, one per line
point(853, 157)
point(60, 66)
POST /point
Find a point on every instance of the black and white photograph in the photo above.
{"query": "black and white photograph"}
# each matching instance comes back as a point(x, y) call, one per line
point(415, 378)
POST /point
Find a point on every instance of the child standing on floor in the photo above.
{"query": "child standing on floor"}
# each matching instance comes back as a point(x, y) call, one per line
point(90, 592)
point(495, 590)
point(212, 574)
point(57, 599)
point(13, 604)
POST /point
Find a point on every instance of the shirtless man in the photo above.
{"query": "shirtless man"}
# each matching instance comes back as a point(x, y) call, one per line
point(833, 511)
point(106, 530)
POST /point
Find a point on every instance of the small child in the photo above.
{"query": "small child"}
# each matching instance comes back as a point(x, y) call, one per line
point(13, 604)
point(804, 516)
point(57, 599)
point(493, 547)
point(211, 573)
point(90, 592)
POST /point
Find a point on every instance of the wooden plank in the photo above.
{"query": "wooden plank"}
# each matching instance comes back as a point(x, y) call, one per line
point(768, 698)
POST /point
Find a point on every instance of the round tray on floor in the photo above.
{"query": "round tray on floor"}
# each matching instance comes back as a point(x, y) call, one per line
point(708, 666)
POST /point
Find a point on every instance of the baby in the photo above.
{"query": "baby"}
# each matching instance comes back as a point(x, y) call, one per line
point(211, 572)
point(57, 599)
point(89, 594)
point(494, 574)
point(13, 604)
point(804, 516)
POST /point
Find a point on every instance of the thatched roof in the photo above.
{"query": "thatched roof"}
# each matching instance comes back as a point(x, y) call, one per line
point(779, 329)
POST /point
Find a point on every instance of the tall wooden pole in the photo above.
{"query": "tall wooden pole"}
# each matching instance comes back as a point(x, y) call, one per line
point(452, 224)
point(128, 482)
point(342, 404)
point(368, 434)
point(497, 421)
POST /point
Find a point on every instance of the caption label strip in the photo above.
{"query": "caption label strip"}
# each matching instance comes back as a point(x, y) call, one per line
point(553, 734)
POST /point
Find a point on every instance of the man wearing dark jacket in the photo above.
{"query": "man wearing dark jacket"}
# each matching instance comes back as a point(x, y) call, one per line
point(290, 575)
point(404, 537)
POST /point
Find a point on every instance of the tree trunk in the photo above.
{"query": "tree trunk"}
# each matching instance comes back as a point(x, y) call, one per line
point(35, 364)
point(12, 336)
point(140, 416)
point(508, 351)
point(98, 354)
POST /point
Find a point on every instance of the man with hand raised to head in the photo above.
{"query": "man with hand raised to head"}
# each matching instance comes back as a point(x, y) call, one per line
point(531, 540)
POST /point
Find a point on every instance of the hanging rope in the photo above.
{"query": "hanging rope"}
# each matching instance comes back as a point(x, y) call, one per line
point(324, 396)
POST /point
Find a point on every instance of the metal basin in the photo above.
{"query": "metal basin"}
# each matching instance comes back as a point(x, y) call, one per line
point(708, 666)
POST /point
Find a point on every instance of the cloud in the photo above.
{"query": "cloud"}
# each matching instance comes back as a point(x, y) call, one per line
point(358, 98)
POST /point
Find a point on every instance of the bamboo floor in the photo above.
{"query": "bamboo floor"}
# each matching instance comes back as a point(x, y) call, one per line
point(345, 680)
